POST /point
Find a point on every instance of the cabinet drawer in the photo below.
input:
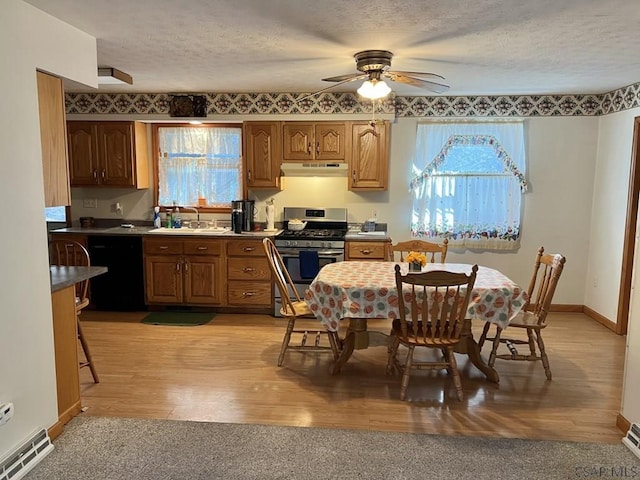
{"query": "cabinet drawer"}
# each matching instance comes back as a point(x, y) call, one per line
point(244, 248)
point(202, 247)
point(256, 294)
point(248, 269)
point(366, 250)
point(161, 245)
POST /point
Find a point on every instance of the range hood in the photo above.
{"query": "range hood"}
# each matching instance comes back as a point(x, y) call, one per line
point(314, 169)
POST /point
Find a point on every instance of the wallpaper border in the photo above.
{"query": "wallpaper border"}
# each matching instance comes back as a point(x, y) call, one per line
point(348, 103)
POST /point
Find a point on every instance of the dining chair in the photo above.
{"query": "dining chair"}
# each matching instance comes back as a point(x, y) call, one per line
point(533, 316)
point(294, 308)
point(432, 307)
point(72, 253)
point(428, 248)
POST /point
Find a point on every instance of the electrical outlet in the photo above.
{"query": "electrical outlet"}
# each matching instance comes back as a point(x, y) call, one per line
point(6, 412)
point(90, 203)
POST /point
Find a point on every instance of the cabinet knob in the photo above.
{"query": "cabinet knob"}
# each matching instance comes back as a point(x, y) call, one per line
point(201, 248)
point(317, 148)
point(249, 175)
point(95, 175)
point(163, 247)
point(248, 269)
point(177, 266)
point(309, 149)
point(366, 251)
point(248, 249)
point(248, 294)
point(103, 174)
point(353, 177)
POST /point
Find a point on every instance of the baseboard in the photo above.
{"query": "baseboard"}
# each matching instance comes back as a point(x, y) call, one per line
point(623, 424)
point(567, 308)
point(600, 319)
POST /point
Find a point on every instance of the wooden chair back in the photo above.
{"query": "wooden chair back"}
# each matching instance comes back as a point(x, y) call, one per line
point(70, 253)
point(282, 278)
point(437, 302)
point(546, 273)
point(428, 248)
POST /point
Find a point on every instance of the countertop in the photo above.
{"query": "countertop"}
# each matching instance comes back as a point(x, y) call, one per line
point(145, 230)
point(63, 277)
point(377, 236)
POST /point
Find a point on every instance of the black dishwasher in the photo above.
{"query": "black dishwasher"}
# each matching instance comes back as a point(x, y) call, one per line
point(122, 287)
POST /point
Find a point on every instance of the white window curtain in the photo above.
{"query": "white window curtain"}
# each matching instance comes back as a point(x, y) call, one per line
point(199, 166)
point(468, 183)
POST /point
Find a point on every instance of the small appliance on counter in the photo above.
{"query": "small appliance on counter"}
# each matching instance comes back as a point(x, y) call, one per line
point(242, 215)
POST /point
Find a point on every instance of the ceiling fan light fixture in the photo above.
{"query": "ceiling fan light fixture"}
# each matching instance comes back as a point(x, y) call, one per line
point(113, 76)
point(374, 89)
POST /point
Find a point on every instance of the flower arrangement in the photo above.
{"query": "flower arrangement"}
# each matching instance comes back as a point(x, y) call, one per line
point(417, 260)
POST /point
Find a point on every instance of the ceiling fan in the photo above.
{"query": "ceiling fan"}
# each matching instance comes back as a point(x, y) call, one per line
point(373, 65)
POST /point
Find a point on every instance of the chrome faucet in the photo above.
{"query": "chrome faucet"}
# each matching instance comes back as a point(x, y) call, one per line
point(197, 214)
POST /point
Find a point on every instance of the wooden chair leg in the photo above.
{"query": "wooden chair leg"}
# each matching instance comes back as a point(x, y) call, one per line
point(392, 351)
point(494, 349)
point(543, 355)
point(532, 342)
point(87, 354)
point(405, 375)
point(334, 341)
point(483, 337)
point(285, 341)
point(453, 368)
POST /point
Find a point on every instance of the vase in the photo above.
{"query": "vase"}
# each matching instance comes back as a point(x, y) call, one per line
point(415, 267)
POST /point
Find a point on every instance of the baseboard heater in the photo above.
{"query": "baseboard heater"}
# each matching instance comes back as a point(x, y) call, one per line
point(18, 463)
point(632, 439)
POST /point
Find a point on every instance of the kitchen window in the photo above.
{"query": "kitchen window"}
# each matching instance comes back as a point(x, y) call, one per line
point(199, 165)
point(468, 184)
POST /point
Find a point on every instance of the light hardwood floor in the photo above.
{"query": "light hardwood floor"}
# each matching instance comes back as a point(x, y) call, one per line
point(226, 371)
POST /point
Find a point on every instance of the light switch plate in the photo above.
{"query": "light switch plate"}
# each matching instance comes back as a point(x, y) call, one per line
point(90, 203)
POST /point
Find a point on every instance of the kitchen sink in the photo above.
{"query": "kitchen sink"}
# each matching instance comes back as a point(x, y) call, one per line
point(191, 231)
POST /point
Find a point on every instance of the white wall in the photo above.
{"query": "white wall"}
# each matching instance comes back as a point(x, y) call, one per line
point(29, 39)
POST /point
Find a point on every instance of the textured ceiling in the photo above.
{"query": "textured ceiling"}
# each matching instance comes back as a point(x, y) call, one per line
point(481, 47)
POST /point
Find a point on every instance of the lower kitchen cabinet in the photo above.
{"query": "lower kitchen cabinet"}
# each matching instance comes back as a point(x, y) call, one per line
point(183, 272)
point(366, 251)
point(248, 274)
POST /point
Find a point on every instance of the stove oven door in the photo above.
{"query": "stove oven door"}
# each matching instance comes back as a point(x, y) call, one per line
point(300, 264)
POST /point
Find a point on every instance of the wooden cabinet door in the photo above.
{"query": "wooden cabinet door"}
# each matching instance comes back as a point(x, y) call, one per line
point(116, 153)
point(329, 140)
point(263, 152)
point(202, 280)
point(369, 159)
point(298, 143)
point(163, 279)
point(53, 138)
point(83, 154)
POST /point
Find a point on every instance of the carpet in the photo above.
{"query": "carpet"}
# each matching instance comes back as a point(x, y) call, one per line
point(176, 318)
point(99, 448)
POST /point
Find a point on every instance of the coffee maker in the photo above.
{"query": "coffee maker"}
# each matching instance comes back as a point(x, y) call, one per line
point(242, 215)
point(237, 217)
point(248, 213)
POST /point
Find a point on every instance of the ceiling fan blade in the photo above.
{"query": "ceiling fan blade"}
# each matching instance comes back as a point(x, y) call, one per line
point(419, 74)
point(343, 78)
point(416, 82)
point(351, 79)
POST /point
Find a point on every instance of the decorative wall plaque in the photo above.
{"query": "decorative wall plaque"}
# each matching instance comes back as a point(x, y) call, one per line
point(188, 106)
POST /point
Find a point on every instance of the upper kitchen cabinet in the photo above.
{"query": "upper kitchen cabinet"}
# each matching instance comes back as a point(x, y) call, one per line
point(108, 154)
point(320, 141)
point(263, 152)
point(55, 165)
point(369, 159)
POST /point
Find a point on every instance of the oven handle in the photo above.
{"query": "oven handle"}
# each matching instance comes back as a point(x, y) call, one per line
point(321, 253)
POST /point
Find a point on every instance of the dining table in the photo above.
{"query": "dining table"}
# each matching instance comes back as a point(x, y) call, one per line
point(361, 290)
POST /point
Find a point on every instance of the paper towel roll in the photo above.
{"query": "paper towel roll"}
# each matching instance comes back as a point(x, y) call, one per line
point(271, 212)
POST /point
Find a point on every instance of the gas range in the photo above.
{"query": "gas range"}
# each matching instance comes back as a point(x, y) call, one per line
point(326, 228)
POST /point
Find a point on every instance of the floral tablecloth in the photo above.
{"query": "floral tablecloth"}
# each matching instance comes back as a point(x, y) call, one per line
point(368, 290)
